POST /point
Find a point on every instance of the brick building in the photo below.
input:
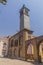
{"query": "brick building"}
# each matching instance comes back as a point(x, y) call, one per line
point(24, 45)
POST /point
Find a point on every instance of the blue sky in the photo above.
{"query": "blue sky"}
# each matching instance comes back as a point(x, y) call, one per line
point(9, 16)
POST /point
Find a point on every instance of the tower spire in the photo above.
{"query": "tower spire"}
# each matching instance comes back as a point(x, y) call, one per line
point(23, 5)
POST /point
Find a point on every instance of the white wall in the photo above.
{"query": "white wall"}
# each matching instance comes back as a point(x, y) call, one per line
point(2, 47)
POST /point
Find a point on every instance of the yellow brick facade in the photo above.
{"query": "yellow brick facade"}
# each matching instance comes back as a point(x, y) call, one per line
point(24, 45)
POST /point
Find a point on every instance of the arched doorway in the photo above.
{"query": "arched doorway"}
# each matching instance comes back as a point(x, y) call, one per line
point(15, 53)
point(30, 51)
point(41, 50)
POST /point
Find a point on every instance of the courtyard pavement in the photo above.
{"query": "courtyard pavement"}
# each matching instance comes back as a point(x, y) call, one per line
point(6, 61)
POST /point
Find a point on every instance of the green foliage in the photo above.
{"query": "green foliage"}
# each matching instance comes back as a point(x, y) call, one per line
point(4, 2)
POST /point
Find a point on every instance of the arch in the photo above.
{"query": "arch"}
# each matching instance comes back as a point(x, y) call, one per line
point(15, 52)
point(30, 49)
point(41, 49)
point(30, 52)
point(40, 41)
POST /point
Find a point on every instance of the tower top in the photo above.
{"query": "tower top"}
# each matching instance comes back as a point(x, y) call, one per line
point(24, 10)
point(24, 7)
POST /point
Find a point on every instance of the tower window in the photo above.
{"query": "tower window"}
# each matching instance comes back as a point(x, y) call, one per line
point(26, 12)
point(21, 12)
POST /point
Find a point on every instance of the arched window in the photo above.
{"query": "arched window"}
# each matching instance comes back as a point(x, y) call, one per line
point(4, 44)
point(16, 42)
point(4, 48)
point(21, 40)
point(11, 43)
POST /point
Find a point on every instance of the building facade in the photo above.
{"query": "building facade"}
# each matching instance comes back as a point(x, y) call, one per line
point(34, 48)
point(24, 45)
point(17, 44)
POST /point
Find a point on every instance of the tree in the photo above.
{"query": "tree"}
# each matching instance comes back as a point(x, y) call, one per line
point(3, 2)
